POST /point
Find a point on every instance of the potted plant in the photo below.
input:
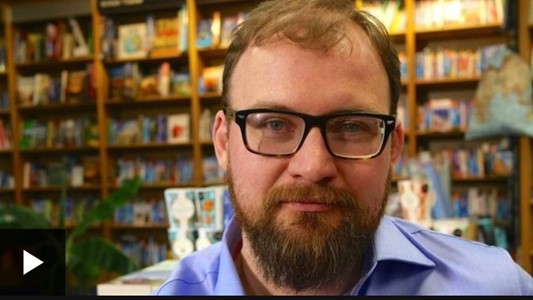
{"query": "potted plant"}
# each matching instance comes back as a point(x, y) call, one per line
point(88, 258)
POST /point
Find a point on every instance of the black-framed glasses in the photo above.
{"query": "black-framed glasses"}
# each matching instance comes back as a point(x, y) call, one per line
point(350, 135)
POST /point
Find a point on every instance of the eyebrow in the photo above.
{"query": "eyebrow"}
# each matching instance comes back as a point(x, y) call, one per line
point(281, 107)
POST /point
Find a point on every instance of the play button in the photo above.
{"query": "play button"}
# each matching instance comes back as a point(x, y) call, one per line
point(29, 262)
point(32, 262)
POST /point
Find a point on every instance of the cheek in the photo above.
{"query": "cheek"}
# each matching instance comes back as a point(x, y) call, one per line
point(252, 176)
point(367, 180)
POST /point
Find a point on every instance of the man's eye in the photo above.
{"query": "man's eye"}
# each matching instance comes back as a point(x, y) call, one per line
point(350, 127)
point(275, 125)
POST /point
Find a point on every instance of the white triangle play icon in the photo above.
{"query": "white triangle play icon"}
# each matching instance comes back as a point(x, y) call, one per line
point(29, 262)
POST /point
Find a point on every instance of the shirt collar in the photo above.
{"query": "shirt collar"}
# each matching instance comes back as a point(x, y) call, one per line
point(393, 243)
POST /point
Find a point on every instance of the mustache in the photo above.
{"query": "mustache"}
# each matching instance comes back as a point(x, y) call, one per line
point(319, 194)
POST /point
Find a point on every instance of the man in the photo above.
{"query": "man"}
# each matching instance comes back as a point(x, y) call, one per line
point(308, 137)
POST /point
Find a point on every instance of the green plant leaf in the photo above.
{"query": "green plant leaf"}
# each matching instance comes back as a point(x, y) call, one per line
point(104, 209)
point(22, 217)
point(92, 256)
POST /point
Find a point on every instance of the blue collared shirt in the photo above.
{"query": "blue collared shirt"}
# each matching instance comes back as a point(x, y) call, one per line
point(405, 260)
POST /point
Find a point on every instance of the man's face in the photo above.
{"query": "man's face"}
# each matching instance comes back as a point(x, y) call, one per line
point(307, 217)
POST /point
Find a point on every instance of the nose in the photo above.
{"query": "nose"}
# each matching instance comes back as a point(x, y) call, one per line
point(312, 162)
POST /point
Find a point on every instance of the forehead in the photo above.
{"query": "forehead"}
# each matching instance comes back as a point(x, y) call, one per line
point(281, 73)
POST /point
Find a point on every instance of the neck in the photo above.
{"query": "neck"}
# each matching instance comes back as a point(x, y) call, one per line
point(254, 283)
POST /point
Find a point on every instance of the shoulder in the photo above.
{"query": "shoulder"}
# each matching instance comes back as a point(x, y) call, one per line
point(463, 265)
point(433, 243)
point(440, 247)
point(194, 274)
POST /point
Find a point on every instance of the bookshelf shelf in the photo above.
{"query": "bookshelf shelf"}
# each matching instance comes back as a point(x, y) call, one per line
point(82, 106)
point(46, 65)
point(447, 82)
point(210, 96)
point(212, 53)
point(503, 178)
point(55, 189)
point(59, 150)
point(149, 146)
point(148, 101)
point(149, 59)
point(453, 31)
point(148, 227)
point(440, 135)
point(194, 60)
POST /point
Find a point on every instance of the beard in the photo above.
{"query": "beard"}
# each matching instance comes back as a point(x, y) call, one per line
point(309, 250)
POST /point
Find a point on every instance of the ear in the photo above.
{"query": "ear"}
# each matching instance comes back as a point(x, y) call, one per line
point(220, 139)
point(397, 140)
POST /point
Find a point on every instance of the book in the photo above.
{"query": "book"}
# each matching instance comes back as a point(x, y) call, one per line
point(76, 86)
point(141, 282)
point(163, 79)
point(81, 47)
point(25, 90)
point(132, 40)
point(216, 24)
point(211, 80)
point(183, 20)
point(228, 24)
point(204, 37)
point(166, 37)
point(178, 128)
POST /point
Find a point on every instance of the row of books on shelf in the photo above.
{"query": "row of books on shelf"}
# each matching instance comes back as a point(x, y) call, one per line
point(177, 170)
point(390, 12)
point(475, 201)
point(430, 14)
point(59, 132)
point(439, 14)
point(141, 212)
point(131, 80)
point(428, 177)
point(478, 213)
point(416, 200)
point(444, 115)
point(216, 31)
point(83, 171)
point(67, 86)
point(145, 251)
point(487, 160)
point(212, 173)
point(173, 128)
point(69, 170)
point(154, 37)
point(54, 40)
point(74, 210)
point(441, 63)
point(474, 162)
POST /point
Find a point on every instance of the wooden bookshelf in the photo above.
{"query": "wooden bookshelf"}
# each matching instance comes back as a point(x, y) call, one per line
point(525, 38)
point(194, 60)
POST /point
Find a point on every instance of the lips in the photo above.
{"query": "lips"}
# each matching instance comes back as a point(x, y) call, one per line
point(307, 206)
